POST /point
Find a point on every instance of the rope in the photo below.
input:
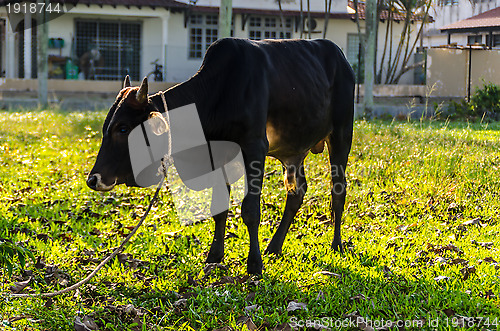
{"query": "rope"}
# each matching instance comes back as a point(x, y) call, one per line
point(102, 264)
point(167, 161)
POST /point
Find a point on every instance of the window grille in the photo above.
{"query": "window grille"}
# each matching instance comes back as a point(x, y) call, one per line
point(34, 42)
point(353, 55)
point(269, 28)
point(353, 43)
point(203, 31)
point(109, 50)
point(2, 37)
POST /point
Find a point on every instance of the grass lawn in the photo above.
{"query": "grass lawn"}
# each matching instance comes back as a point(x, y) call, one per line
point(421, 232)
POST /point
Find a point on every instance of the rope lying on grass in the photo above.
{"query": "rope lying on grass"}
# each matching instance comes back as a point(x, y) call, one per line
point(102, 264)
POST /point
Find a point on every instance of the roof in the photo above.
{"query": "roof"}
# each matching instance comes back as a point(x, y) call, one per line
point(316, 14)
point(489, 20)
point(138, 3)
point(173, 4)
point(114, 3)
point(286, 13)
point(384, 14)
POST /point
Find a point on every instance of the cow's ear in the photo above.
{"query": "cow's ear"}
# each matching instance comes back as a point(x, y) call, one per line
point(142, 94)
point(126, 82)
point(157, 123)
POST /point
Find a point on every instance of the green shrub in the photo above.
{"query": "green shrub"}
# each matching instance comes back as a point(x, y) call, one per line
point(484, 104)
point(486, 100)
point(458, 110)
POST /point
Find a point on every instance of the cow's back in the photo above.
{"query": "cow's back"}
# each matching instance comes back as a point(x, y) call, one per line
point(287, 84)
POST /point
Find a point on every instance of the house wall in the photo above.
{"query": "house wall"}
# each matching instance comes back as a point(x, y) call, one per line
point(152, 48)
point(454, 11)
point(164, 36)
point(62, 27)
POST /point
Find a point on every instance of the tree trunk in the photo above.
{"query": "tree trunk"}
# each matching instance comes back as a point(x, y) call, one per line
point(43, 43)
point(328, 9)
point(309, 24)
point(301, 19)
point(282, 19)
point(225, 18)
point(371, 29)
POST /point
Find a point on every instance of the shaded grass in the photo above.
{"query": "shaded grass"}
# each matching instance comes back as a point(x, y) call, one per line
point(412, 188)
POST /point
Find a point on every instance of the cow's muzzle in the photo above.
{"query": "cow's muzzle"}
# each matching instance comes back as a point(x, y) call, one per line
point(94, 181)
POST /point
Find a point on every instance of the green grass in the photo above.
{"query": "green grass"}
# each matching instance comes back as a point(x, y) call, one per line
point(412, 186)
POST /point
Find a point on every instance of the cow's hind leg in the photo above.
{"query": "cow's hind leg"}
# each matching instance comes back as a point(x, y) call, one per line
point(339, 146)
point(254, 155)
point(216, 252)
point(296, 191)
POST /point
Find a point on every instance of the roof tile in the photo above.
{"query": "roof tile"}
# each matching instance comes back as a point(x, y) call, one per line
point(490, 18)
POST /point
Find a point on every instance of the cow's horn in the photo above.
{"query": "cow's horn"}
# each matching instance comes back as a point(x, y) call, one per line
point(142, 94)
point(126, 82)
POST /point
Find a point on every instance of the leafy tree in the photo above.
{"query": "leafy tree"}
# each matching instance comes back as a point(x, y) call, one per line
point(395, 60)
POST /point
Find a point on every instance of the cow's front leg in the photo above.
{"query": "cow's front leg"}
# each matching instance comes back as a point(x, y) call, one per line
point(216, 252)
point(250, 209)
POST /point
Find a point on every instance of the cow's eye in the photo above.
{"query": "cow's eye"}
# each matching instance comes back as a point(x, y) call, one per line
point(123, 129)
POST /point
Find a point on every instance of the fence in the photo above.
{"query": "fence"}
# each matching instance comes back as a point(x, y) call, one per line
point(455, 72)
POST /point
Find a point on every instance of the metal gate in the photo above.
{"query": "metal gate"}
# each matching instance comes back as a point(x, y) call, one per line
point(108, 50)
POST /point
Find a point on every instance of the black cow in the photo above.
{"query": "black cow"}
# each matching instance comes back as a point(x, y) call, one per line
point(281, 98)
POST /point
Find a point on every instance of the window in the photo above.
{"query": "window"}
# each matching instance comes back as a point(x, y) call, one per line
point(269, 28)
point(353, 52)
point(496, 40)
point(203, 31)
point(471, 40)
point(109, 50)
point(353, 47)
point(447, 2)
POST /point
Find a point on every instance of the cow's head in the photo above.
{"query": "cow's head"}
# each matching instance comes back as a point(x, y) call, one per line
point(112, 167)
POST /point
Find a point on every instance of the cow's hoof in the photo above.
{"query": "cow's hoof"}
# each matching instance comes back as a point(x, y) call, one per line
point(254, 268)
point(338, 247)
point(214, 258)
point(272, 251)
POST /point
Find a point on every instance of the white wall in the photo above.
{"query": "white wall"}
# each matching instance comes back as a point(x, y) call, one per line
point(447, 14)
point(151, 44)
point(62, 27)
point(178, 66)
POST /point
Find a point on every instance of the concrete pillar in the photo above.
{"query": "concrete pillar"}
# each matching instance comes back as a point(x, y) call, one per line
point(27, 45)
point(10, 50)
point(164, 43)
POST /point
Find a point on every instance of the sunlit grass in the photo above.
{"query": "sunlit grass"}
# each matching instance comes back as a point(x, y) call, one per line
point(412, 189)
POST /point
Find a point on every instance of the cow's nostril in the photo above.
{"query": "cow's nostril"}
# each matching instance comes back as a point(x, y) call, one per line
point(92, 181)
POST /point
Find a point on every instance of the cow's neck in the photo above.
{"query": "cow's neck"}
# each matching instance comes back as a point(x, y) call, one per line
point(198, 89)
point(181, 95)
point(195, 90)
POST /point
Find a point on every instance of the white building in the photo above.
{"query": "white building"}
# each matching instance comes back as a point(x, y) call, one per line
point(128, 35)
point(447, 12)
